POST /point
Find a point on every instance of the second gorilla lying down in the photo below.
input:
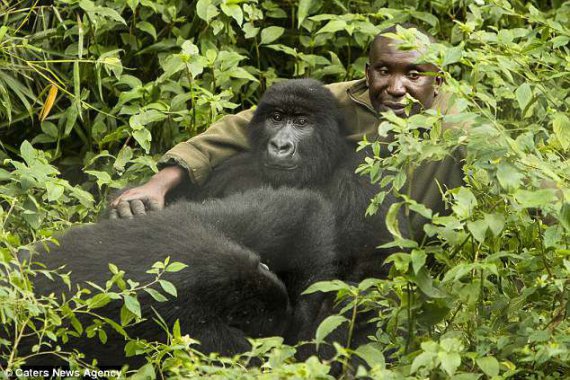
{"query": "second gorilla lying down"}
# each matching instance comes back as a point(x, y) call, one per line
point(227, 292)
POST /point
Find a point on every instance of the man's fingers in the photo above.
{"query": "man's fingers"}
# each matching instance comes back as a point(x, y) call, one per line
point(137, 207)
point(124, 210)
point(113, 214)
point(154, 205)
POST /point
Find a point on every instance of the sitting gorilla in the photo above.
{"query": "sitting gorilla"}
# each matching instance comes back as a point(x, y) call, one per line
point(227, 292)
point(296, 139)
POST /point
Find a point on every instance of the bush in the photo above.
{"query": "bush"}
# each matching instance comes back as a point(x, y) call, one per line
point(92, 92)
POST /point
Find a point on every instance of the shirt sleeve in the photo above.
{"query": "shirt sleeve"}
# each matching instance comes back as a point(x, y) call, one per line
point(224, 138)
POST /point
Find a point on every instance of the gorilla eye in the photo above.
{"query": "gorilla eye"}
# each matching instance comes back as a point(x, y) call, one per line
point(302, 121)
point(277, 116)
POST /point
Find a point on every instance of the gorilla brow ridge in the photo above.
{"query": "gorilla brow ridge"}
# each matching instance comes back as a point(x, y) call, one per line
point(307, 95)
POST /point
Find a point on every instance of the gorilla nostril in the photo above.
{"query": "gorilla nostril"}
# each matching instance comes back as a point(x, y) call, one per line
point(281, 148)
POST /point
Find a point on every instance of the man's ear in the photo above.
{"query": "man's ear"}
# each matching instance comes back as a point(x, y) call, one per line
point(438, 83)
point(366, 68)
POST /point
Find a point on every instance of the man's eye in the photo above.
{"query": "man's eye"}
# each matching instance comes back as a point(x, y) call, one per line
point(276, 116)
point(414, 74)
point(382, 71)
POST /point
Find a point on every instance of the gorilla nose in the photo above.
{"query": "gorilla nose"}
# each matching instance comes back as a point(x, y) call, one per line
point(281, 149)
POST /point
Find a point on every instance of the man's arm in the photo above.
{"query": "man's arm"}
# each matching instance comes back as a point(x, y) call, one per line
point(228, 136)
point(194, 158)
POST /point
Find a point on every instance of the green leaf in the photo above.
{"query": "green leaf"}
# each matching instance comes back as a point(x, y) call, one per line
point(303, 10)
point(372, 355)
point(102, 336)
point(133, 4)
point(425, 282)
point(103, 178)
point(175, 267)
point(147, 27)
point(450, 361)
point(535, 198)
point(333, 26)
point(54, 191)
point(392, 218)
point(90, 7)
point(489, 365)
point(168, 287)
point(495, 222)
point(234, 11)
point(509, 177)
point(421, 209)
point(124, 156)
point(27, 152)
point(327, 286)
point(156, 295)
point(146, 372)
point(401, 261)
point(3, 30)
point(77, 325)
point(143, 137)
point(465, 202)
point(556, 41)
point(564, 216)
point(205, 10)
point(425, 359)
point(270, 34)
point(561, 127)
point(250, 30)
point(478, 229)
point(418, 260)
point(99, 300)
point(132, 305)
point(327, 326)
point(452, 55)
point(71, 117)
point(524, 95)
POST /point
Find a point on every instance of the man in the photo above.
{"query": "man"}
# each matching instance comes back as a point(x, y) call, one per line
point(391, 74)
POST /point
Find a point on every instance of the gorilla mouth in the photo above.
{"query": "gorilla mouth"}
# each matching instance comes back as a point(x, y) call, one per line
point(280, 166)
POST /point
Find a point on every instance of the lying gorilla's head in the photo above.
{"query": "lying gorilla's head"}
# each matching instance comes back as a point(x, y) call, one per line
point(296, 132)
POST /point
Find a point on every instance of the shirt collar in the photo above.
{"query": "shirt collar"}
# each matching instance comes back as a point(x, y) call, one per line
point(358, 93)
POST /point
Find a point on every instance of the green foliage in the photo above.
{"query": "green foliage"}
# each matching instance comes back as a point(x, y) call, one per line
point(92, 92)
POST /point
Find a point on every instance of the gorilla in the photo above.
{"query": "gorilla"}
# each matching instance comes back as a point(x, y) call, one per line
point(249, 258)
point(296, 139)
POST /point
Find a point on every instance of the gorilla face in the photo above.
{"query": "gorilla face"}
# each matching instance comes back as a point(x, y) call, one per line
point(295, 133)
point(287, 131)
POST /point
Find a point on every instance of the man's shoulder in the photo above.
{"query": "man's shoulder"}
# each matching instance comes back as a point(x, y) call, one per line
point(341, 88)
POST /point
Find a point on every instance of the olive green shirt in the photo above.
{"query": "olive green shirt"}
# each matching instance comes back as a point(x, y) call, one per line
point(228, 136)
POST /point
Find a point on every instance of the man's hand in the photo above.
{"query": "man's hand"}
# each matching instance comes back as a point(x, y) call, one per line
point(148, 197)
point(137, 201)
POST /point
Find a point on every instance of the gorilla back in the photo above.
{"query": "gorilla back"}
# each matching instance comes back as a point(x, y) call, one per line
point(296, 136)
point(226, 293)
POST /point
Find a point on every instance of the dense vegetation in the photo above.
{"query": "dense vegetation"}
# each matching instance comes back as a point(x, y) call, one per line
point(92, 92)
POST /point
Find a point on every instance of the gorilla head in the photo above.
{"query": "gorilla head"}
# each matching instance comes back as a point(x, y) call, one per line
point(295, 133)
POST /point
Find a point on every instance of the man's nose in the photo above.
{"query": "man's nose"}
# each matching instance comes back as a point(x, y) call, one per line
point(396, 87)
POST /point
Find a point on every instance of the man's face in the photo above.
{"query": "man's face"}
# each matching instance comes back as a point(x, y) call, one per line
point(393, 73)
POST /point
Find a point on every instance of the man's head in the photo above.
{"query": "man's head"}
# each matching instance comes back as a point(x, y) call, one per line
point(391, 73)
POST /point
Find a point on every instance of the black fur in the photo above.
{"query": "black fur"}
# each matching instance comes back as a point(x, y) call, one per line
point(225, 294)
point(323, 161)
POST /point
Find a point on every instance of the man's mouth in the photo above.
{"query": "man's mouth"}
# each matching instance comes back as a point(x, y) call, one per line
point(397, 108)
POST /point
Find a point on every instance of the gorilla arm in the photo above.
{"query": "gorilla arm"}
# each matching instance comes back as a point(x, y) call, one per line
point(224, 295)
point(293, 232)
